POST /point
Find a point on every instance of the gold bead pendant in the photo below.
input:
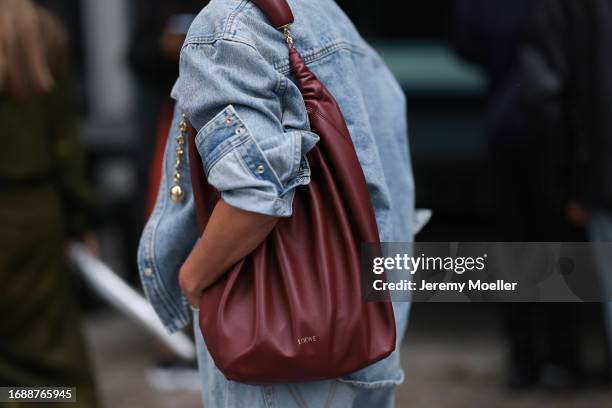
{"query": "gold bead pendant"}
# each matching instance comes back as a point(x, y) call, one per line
point(176, 191)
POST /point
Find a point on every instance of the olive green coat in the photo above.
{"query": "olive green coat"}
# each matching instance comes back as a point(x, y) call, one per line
point(43, 201)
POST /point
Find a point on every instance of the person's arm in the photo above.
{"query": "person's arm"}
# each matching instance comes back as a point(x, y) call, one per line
point(252, 151)
point(230, 235)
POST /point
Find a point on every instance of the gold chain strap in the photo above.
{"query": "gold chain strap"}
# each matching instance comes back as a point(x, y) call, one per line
point(176, 191)
point(288, 36)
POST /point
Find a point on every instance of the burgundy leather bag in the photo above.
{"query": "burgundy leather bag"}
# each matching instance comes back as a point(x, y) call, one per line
point(292, 310)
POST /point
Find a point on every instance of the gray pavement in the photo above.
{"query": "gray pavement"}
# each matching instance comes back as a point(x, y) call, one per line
point(445, 368)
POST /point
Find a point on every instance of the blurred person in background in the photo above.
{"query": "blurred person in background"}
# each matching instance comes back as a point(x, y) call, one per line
point(44, 204)
point(567, 63)
point(542, 338)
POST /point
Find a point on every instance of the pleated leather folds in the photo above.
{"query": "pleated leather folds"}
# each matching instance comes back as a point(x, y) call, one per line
point(292, 310)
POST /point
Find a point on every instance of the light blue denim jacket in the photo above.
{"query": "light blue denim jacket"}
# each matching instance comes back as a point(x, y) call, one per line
point(236, 88)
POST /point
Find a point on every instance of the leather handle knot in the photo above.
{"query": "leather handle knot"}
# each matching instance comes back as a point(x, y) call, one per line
point(277, 11)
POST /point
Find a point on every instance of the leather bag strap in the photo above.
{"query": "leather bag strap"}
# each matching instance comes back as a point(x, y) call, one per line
point(277, 11)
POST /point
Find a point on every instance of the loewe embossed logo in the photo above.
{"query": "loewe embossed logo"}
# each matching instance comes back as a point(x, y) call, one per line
point(309, 339)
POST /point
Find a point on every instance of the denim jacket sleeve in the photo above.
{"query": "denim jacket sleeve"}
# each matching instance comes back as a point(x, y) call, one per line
point(233, 96)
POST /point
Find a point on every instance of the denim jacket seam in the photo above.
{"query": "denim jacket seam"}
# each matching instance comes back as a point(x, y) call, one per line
point(283, 203)
point(300, 179)
point(215, 155)
point(274, 179)
point(371, 384)
point(268, 395)
point(230, 144)
point(305, 170)
point(282, 94)
point(218, 120)
point(172, 311)
point(150, 254)
point(219, 153)
point(212, 39)
point(215, 121)
point(154, 287)
point(281, 91)
point(314, 55)
point(234, 143)
point(229, 23)
point(165, 295)
point(283, 206)
point(225, 147)
point(375, 383)
point(243, 164)
point(297, 158)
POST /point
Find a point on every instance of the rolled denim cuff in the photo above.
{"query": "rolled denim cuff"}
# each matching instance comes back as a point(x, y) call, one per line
point(254, 177)
point(254, 200)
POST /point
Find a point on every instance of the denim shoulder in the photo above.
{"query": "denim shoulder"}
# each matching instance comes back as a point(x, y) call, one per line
point(215, 20)
point(253, 131)
point(236, 20)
